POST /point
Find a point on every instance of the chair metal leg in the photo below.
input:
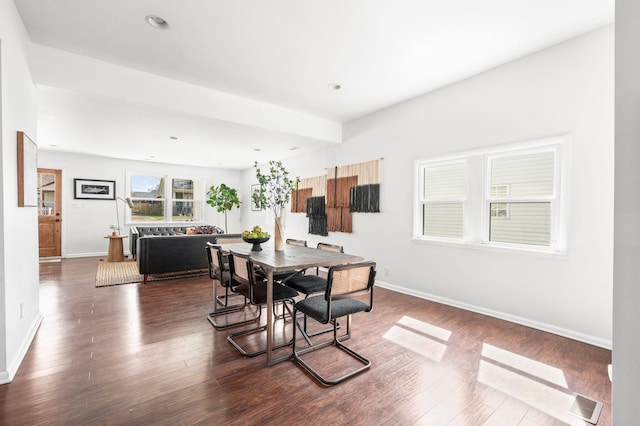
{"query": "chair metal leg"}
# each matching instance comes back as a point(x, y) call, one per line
point(227, 309)
point(232, 339)
point(336, 341)
point(212, 317)
point(319, 332)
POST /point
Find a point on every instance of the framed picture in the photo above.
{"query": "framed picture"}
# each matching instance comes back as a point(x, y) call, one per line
point(92, 189)
point(254, 190)
point(27, 171)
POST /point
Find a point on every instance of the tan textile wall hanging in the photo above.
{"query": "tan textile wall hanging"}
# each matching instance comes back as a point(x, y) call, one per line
point(307, 187)
point(353, 188)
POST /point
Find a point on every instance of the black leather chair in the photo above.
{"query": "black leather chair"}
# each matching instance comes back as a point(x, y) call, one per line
point(349, 291)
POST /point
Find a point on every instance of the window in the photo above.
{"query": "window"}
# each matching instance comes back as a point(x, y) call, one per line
point(442, 199)
point(508, 196)
point(529, 199)
point(147, 195)
point(183, 202)
point(181, 209)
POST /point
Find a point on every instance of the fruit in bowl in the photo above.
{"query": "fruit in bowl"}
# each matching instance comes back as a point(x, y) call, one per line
point(256, 232)
point(256, 237)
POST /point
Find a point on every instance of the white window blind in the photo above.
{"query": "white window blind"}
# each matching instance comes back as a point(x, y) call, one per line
point(530, 179)
point(505, 196)
point(444, 191)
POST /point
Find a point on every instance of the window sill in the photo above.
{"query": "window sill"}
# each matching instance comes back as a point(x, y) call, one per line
point(467, 245)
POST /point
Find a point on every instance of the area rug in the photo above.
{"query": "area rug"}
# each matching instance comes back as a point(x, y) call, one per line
point(114, 273)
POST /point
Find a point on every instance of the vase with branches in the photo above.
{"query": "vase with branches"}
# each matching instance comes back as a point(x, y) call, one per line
point(223, 198)
point(274, 193)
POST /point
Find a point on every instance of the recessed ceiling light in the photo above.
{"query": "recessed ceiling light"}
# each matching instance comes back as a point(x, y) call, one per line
point(293, 148)
point(334, 86)
point(156, 22)
point(257, 149)
point(173, 138)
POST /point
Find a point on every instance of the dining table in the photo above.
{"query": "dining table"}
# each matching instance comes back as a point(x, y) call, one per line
point(290, 258)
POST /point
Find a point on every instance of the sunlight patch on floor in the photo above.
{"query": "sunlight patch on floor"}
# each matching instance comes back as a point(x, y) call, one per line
point(426, 328)
point(420, 337)
point(535, 368)
point(529, 381)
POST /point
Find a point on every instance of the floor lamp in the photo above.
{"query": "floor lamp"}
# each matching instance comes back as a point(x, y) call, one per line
point(124, 200)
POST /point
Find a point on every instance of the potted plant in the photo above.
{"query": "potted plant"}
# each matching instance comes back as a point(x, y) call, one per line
point(223, 198)
point(274, 194)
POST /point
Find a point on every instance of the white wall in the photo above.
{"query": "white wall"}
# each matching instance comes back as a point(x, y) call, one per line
point(563, 90)
point(86, 222)
point(626, 295)
point(19, 277)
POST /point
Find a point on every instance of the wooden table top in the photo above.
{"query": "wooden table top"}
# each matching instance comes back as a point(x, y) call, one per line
point(292, 257)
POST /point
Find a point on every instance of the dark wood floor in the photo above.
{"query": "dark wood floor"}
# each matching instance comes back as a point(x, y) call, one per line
point(145, 354)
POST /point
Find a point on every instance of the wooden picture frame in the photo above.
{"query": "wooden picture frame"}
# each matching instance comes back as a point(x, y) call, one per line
point(27, 171)
point(94, 189)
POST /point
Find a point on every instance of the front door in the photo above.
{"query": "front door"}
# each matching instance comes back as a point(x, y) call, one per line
point(49, 212)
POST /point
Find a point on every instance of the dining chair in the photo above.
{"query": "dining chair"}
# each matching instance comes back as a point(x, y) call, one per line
point(328, 247)
point(284, 275)
point(222, 307)
point(308, 284)
point(349, 291)
point(294, 242)
point(243, 271)
point(228, 240)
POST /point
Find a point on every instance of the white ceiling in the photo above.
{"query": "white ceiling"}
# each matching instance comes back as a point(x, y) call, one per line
point(281, 52)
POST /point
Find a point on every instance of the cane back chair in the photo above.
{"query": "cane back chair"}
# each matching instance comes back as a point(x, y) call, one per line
point(226, 315)
point(349, 291)
point(243, 271)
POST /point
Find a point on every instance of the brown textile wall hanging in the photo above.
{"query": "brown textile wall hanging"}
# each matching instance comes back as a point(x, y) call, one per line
point(338, 191)
point(299, 200)
point(330, 199)
point(339, 220)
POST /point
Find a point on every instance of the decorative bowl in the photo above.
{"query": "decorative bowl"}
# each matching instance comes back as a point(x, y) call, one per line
point(256, 242)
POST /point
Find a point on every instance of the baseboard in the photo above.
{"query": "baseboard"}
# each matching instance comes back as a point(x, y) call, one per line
point(96, 254)
point(12, 367)
point(571, 334)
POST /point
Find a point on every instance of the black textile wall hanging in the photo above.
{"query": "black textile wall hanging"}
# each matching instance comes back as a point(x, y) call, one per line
point(317, 216)
point(365, 199)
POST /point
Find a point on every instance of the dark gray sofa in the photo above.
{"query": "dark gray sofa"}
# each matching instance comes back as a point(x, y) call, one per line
point(159, 249)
